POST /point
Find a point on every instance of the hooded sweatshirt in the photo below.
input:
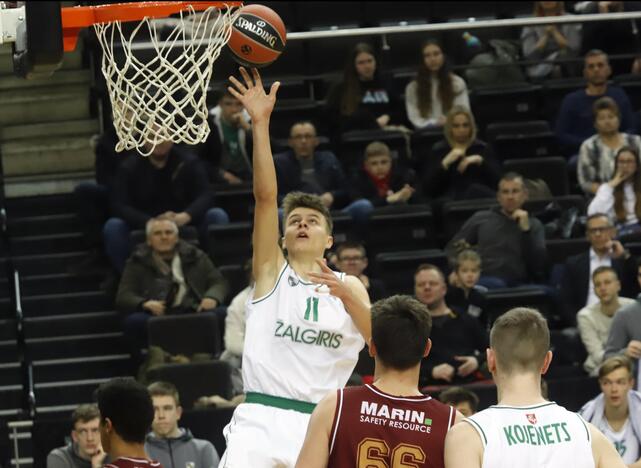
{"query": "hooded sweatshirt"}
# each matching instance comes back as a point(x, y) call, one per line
point(184, 451)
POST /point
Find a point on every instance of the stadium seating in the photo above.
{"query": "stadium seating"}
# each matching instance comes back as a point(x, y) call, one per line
point(396, 269)
point(512, 140)
point(230, 244)
point(552, 170)
point(185, 334)
point(401, 231)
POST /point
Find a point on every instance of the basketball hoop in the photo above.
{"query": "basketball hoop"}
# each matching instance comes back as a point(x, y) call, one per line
point(162, 97)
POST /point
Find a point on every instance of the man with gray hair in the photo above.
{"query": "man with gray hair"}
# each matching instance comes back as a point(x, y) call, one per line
point(166, 275)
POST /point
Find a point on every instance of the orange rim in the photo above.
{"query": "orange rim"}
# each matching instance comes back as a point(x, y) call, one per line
point(76, 18)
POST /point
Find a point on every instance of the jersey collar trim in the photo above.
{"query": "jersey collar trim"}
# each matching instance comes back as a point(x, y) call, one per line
point(392, 397)
point(531, 407)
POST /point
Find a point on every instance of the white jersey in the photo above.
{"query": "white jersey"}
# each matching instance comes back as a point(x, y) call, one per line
point(540, 436)
point(299, 343)
point(625, 441)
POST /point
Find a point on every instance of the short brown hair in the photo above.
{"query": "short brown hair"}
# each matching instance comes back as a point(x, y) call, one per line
point(85, 413)
point(429, 266)
point(377, 148)
point(350, 245)
point(520, 339)
point(604, 269)
point(164, 389)
point(605, 103)
point(295, 200)
point(614, 363)
point(456, 395)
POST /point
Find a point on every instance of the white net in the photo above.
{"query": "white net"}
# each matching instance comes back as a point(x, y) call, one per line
point(158, 90)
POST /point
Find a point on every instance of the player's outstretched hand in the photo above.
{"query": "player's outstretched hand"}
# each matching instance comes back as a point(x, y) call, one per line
point(328, 278)
point(252, 94)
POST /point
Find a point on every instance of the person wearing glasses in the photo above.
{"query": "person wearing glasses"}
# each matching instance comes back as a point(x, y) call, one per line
point(351, 259)
point(577, 289)
point(85, 449)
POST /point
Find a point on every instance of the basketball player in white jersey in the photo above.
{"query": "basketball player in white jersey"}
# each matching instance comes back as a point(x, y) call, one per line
point(524, 429)
point(305, 324)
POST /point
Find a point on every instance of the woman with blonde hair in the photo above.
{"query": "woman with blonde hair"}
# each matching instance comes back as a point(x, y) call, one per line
point(460, 166)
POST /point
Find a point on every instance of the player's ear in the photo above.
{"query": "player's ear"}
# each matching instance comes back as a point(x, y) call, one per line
point(428, 348)
point(179, 412)
point(330, 242)
point(371, 348)
point(546, 362)
point(491, 360)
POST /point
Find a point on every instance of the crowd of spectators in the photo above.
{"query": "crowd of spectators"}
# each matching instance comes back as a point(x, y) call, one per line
point(172, 196)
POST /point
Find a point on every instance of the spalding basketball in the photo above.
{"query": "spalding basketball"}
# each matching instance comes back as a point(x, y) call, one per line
point(258, 36)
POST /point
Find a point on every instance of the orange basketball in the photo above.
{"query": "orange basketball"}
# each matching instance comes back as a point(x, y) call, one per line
point(258, 36)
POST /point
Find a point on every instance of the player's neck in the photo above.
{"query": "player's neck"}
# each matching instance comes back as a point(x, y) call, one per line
point(120, 449)
point(304, 264)
point(519, 390)
point(616, 415)
point(395, 382)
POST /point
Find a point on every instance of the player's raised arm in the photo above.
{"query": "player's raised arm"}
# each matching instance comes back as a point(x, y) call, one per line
point(268, 257)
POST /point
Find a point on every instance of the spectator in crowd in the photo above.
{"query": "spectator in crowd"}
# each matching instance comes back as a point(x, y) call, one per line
point(435, 90)
point(227, 151)
point(85, 449)
point(166, 275)
point(462, 399)
point(234, 337)
point(464, 293)
point(169, 444)
point(511, 243)
point(168, 182)
point(458, 341)
point(365, 98)
point(305, 169)
point(351, 259)
point(597, 153)
point(381, 181)
point(126, 414)
point(620, 198)
point(577, 289)
point(616, 412)
point(551, 42)
point(575, 122)
point(594, 321)
point(461, 166)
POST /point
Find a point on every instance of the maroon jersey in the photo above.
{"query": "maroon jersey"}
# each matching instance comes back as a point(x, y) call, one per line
point(124, 462)
point(374, 429)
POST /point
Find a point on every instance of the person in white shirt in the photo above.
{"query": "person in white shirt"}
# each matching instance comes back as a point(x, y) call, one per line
point(620, 198)
point(594, 321)
point(525, 429)
point(617, 410)
point(435, 90)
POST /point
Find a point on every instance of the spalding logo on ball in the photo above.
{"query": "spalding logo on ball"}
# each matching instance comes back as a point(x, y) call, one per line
point(258, 36)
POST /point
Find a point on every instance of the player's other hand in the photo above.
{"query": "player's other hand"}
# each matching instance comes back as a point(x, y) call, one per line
point(328, 278)
point(443, 372)
point(252, 94)
point(468, 365)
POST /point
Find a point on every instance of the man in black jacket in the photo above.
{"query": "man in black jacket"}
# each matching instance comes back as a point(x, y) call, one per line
point(170, 183)
point(304, 169)
point(577, 289)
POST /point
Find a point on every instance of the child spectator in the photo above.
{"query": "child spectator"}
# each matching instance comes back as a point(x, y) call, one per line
point(380, 180)
point(364, 99)
point(620, 198)
point(435, 90)
point(551, 42)
point(596, 156)
point(463, 293)
point(461, 167)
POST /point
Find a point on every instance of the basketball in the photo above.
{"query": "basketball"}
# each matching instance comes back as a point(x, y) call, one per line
point(258, 36)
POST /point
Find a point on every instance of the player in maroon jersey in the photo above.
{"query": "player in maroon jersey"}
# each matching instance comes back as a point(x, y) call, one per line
point(389, 423)
point(126, 414)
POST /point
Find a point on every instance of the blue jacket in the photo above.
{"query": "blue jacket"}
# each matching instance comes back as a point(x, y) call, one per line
point(327, 168)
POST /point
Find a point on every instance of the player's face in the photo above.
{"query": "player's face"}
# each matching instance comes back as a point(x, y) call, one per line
point(597, 70)
point(303, 140)
point(600, 233)
point(166, 416)
point(379, 166)
point(461, 129)
point(433, 57)
point(511, 195)
point(86, 436)
point(163, 237)
point(615, 387)
point(352, 262)
point(464, 408)
point(429, 287)
point(606, 122)
point(606, 286)
point(306, 232)
point(469, 273)
point(229, 107)
point(365, 65)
